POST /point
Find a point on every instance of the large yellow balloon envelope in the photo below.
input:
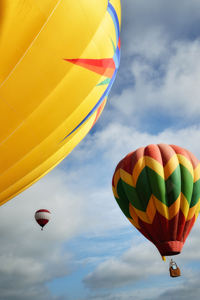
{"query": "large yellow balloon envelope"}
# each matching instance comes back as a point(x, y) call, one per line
point(58, 62)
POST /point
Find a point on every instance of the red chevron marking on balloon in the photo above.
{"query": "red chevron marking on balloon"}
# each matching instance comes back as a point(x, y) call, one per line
point(105, 66)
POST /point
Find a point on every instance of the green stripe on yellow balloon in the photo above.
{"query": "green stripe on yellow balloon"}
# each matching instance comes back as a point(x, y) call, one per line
point(173, 186)
point(106, 81)
point(126, 177)
point(171, 166)
point(186, 163)
point(123, 204)
point(143, 191)
point(195, 194)
point(133, 197)
point(186, 183)
point(157, 185)
point(154, 165)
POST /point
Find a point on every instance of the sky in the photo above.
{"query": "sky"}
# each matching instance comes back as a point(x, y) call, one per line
point(89, 250)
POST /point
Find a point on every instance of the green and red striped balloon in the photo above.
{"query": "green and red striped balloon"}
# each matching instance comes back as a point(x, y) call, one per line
point(158, 189)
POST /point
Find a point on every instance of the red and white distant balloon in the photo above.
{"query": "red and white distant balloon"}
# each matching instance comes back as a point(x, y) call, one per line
point(42, 216)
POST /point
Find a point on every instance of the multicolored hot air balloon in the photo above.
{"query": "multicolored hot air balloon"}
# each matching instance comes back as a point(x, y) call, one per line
point(59, 59)
point(158, 189)
point(42, 216)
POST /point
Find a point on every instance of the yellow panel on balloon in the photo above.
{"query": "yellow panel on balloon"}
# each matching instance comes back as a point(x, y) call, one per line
point(59, 59)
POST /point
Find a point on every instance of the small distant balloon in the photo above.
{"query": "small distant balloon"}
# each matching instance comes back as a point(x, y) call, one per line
point(42, 217)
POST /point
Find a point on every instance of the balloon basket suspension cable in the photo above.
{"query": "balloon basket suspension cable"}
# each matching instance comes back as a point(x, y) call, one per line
point(164, 259)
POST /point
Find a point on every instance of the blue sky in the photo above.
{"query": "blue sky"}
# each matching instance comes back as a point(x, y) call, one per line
point(89, 250)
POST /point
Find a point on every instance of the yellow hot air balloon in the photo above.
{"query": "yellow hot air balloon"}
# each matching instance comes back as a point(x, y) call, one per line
point(58, 62)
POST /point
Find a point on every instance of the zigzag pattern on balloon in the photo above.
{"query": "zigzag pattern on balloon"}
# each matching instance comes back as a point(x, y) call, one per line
point(157, 188)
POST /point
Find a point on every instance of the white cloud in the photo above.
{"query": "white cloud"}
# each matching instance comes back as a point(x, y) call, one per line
point(138, 263)
point(159, 71)
point(141, 21)
point(189, 289)
point(165, 84)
